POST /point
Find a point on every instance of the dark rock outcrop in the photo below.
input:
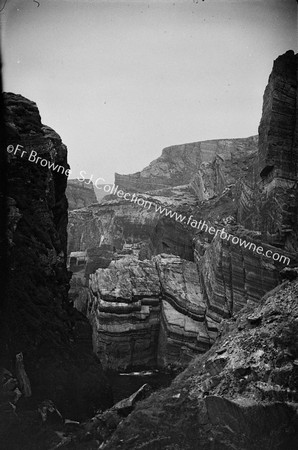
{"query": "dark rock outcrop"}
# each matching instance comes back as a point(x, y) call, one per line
point(80, 194)
point(268, 196)
point(37, 319)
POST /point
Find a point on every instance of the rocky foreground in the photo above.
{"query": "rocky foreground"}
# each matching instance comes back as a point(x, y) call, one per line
point(241, 394)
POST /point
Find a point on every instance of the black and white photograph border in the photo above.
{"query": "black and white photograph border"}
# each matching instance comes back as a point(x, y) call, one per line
point(149, 225)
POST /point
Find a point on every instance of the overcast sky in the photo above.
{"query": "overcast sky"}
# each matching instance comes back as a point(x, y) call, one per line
point(120, 80)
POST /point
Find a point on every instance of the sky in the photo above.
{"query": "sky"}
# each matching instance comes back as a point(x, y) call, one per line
point(121, 80)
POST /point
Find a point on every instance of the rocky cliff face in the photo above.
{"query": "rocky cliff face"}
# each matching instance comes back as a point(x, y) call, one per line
point(116, 222)
point(37, 320)
point(80, 194)
point(124, 309)
point(206, 168)
point(231, 275)
point(196, 162)
point(112, 223)
point(242, 393)
point(226, 276)
point(159, 309)
point(268, 196)
point(147, 313)
point(161, 312)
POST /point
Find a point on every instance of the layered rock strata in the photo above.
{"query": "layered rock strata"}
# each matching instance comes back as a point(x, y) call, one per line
point(207, 168)
point(113, 223)
point(147, 313)
point(225, 177)
point(268, 198)
point(228, 275)
point(124, 311)
point(184, 328)
point(116, 223)
point(190, 299)
point(231, 276)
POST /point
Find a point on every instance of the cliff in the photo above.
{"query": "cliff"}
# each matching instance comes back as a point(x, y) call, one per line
point(242, 393)
point(116, 223)
point(162, 311)
point(159, 292)
point(227, 275)
point(80, 194)
point(180, 164)
point(147, 313)
point(268, 195)
point(37, 320)
point(207, 168)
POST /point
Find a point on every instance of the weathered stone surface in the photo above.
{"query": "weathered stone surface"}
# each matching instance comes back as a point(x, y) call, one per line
point(181, 337)
point(36, 320)
point(147, 313)
point(80, 194)
point(125, 406)
point(117, 223)
point(224, 170)
point(123, 308)
point(113, 223)
point(194, 300)
point(241, 394)
point(180, 285)
point(183, 330)
point(232, 275)
point(90, 434)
